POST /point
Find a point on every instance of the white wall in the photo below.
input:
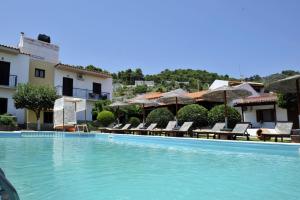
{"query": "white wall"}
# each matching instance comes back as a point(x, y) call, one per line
point(19, 65)
point(39, 50)
point(89, 107)
point(218, 83)
point(11, 109)
point(250, 115)
point(87, 83)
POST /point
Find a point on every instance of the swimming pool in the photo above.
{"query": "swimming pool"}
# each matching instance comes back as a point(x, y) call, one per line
point(104, 166)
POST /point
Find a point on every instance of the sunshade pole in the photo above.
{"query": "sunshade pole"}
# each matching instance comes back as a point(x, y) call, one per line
point(225, 109)
point(298, 97)
point(176, 101)
point(85, 115)
point(117, 112)
point(143, 113)
point(63, 119)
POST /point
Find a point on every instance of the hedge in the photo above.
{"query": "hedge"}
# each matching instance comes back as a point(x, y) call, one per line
point(161, 116)
point(216, 114)
point(193, 113)
point(134, 121)
point(105, 118)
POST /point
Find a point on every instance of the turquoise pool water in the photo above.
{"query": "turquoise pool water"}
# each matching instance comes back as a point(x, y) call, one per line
point(135, 167)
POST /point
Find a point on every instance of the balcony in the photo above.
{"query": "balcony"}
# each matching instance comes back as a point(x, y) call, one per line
point(82, 93)
point(10, 81)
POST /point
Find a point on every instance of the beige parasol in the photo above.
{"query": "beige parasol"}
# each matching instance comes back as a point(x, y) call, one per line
point(225, 94)
point(143, 102)
point(178, 96)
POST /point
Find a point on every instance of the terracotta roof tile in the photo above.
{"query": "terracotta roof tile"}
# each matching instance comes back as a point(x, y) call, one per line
point(197, 95)
point(152, 95)
point(81, 69)
point(14, 49)
point(256, 100)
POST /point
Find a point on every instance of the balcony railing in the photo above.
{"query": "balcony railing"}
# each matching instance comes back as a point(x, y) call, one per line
point(12, 81)
point(83, 93)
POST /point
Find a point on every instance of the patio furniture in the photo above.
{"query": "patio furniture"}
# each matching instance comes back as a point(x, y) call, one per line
point(208, 132)
point(170, 126)
point(65, 112)
point(240, 129)
point(139, 127)
point(281, 130)
point(184, 129)
point(147, 130)
point(125, 129)
point(108, 129)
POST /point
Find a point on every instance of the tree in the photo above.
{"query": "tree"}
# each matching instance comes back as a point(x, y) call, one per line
point(36, 98)
point(97, 69)
point(140, 89)
point(286, 100)
point(138, 74)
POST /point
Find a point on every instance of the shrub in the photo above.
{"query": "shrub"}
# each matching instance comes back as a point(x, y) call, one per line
point(105, 118)
point(8, 120)
point(161, 116)
point(193, 113)
point(134, 121)
point(216, 114)
point(99, 106)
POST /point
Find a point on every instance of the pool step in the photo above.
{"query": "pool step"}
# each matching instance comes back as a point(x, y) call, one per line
point(51, 134)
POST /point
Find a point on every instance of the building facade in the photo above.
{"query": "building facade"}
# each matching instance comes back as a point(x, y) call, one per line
point(37, 62)
point(260, 109)
point(14, 69)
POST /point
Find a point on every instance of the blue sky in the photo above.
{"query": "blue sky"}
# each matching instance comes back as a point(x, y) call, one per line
point(226, 36)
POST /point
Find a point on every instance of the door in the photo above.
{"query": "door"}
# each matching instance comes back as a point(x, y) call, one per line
point(97, 88)
point(67, 87)
point(4, 73)
point(292, 113)
point(3, 106)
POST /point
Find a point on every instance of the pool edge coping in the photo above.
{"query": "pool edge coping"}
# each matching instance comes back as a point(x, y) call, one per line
point(162, 137)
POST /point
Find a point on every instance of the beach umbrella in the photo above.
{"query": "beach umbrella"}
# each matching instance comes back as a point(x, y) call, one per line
point(118, 105)
point(288, 85)
point(178, 96)
point(225, 94)
point(143, 102)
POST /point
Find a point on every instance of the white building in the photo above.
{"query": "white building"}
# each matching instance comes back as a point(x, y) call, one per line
point(260, 109)
point(37, 62)
point(14, 69)
point(77, 82)
point(148, 83)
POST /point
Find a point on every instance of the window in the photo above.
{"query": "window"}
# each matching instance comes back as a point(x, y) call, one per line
point(48, 117)
point(39, 73)
point(3, 106)
point(265, 115)
point(4, 73)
